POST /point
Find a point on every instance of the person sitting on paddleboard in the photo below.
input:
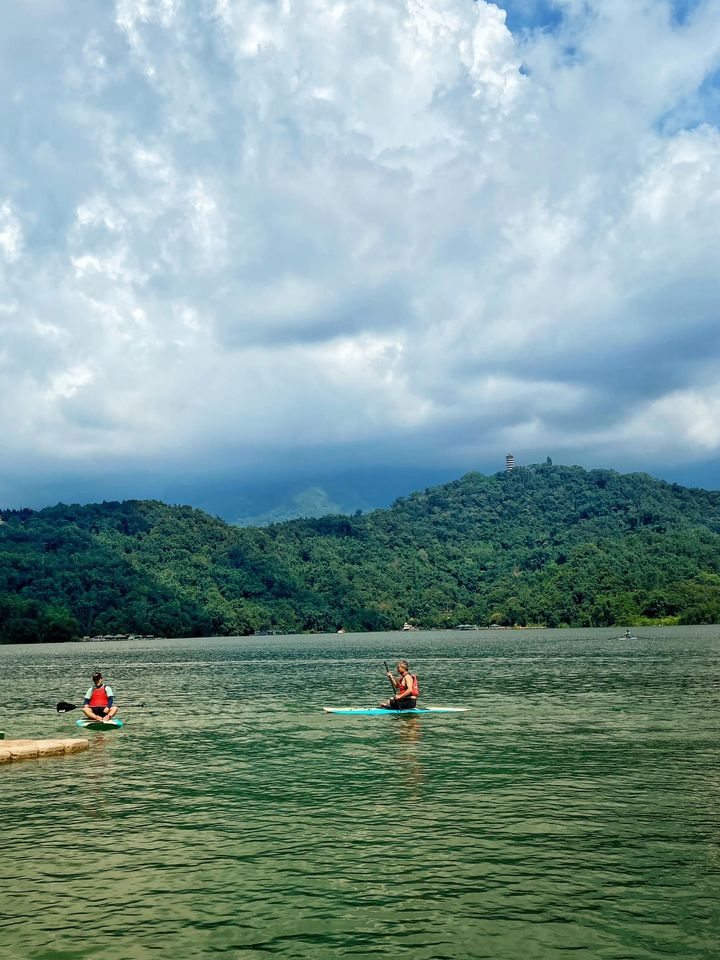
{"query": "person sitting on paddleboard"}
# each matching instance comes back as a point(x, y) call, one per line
point(98, 703)
point(406, 685)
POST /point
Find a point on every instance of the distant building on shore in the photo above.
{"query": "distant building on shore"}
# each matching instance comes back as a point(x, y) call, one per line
point(509, 463)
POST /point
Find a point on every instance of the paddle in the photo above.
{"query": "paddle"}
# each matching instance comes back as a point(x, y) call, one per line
point(390, 682)
point(63, 707)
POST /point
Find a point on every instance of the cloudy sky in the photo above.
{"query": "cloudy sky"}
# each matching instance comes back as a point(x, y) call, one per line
point(246, 244)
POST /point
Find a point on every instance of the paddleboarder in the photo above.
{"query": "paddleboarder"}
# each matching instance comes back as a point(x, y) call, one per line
point(98, 703)
point(406, 687)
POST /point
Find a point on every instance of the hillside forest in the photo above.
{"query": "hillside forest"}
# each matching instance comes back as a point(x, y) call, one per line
point(543, 545)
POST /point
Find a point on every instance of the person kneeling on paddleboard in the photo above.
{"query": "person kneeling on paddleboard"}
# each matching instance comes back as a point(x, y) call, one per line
point(98, 703)
point(406, 685)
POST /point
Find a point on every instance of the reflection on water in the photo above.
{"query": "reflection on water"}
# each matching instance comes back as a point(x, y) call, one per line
point(409, 769)
point(572, 812)
point(410, 729)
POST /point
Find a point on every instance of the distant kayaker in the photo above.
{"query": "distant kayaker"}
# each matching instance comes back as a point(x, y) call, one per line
point(98, 703)
point(406, 686)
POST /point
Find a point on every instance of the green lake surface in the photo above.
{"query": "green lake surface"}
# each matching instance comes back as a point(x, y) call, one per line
point(574, 811)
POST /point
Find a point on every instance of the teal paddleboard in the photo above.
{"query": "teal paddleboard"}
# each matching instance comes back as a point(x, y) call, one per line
point(379, 712)
point(88, 724)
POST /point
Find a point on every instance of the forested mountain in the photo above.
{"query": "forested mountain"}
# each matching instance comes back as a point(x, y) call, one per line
point(543, 545)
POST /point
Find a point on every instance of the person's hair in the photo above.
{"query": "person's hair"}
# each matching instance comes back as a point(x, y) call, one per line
point(404, 663)
point(97, 676)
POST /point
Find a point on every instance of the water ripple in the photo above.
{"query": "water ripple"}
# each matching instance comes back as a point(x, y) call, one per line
point(573, 811)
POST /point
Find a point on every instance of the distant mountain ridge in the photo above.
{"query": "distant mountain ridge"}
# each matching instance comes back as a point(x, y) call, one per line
point(551, 545)
point(309, 502)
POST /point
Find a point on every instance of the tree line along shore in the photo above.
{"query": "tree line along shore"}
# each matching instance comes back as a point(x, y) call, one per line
point(543, 545)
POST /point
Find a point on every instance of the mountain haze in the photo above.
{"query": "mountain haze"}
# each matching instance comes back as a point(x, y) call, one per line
point(545, 544)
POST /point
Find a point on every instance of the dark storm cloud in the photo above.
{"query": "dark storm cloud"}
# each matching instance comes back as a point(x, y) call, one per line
point(236, 235)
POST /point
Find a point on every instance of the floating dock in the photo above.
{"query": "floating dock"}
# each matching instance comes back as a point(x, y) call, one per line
point(25, 749)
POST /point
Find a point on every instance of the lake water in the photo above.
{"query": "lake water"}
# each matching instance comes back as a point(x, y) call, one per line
point(574, 811)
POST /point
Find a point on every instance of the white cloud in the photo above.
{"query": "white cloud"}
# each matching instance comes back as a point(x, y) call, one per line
point(273, 226)
point(11, 235)
point(691, 417)
point(67, 382)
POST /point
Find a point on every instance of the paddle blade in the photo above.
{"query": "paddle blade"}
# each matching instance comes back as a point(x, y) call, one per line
point(63, 707)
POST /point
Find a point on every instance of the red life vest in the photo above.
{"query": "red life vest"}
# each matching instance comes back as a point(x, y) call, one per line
point(415, 689)
point(99, 697)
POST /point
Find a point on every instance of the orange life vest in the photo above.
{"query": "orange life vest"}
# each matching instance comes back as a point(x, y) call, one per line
point(415, 689)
